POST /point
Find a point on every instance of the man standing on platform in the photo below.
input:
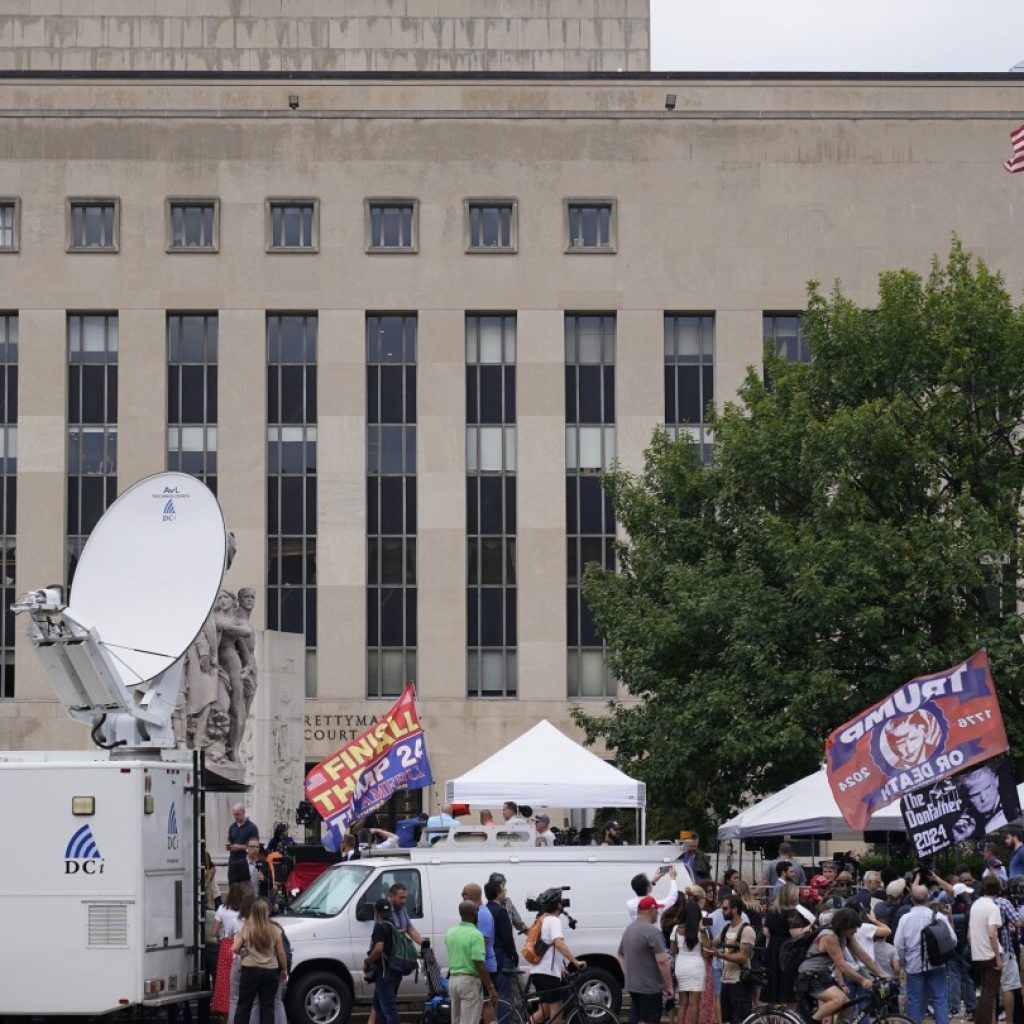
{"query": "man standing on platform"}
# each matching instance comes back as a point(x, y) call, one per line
point(239, 833)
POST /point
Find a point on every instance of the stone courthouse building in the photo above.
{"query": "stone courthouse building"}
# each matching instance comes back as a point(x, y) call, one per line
point(398, 278)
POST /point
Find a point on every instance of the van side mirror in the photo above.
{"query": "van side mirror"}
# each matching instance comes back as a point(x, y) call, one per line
point(364, 912)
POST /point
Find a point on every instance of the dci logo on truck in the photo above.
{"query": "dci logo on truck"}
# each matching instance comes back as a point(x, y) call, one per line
point(82, 855)
point(172, 830)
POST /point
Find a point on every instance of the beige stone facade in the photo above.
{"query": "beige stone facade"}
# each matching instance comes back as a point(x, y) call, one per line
point(726, 205)
point(317, 35)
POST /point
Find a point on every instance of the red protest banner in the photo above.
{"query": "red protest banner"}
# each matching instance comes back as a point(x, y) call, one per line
point(925, 731)
point(331, 785)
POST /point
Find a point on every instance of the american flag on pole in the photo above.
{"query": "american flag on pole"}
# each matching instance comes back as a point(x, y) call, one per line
point(1016, 162)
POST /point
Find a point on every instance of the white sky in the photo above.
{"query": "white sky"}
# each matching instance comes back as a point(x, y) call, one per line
point(836, 35)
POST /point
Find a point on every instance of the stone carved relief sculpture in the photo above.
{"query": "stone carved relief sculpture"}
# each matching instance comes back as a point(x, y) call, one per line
point(221, 678)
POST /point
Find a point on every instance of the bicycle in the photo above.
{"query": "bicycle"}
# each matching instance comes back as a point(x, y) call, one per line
point(871, 1012)
point(576, 1009)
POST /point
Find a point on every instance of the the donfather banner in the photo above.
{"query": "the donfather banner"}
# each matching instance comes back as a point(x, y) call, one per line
point(927, 730)
point(967, 806)
point(360, 777)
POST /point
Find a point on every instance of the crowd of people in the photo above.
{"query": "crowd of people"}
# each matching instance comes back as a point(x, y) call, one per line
point(820, 944)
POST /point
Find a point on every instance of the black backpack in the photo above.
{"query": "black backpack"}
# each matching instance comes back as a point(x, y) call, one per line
point(794, 951)
point(938, 944)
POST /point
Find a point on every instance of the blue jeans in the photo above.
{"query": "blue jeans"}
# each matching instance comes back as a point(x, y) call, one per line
point(504, 985)
point(928, 987)
point(385, 998)
point(961, 985)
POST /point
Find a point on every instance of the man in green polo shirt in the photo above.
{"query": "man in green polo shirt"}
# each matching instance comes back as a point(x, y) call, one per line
point(467, 968)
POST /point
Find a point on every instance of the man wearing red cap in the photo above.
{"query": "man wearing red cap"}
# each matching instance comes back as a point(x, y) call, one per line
point(645, 965)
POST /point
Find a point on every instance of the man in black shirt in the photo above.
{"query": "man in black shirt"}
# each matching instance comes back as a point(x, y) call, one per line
point(505, 951)
point(239, 834)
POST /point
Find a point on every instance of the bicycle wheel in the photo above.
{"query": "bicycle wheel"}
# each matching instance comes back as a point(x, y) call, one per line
point(591, 1013)
point(508, 1013)
point(773, 1015)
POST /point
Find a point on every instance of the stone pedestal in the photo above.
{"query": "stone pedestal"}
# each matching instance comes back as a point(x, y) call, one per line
point(273, 755)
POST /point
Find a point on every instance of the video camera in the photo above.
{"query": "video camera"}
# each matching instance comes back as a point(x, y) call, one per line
point(545, 899)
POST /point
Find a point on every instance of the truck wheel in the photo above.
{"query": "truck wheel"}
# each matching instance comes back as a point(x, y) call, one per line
point(319, 998)
point(600, 988)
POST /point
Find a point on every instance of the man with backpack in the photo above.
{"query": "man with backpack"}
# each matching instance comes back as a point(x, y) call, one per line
point(925, 942)
point(400, 959)
point(546, 952)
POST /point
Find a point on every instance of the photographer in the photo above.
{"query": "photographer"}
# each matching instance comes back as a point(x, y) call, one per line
point(546, 975)
point(644, 886)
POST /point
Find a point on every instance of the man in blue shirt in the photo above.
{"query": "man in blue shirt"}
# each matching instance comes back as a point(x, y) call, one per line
point(1014, 840)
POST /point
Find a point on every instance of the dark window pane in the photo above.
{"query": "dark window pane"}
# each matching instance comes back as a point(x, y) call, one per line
point(291, 505)
point(391, 617)
point(491, 560)
point(609, 395)
point(311, 616)
point(572, 616)
point(510, 394)
point(311, 394)
point(410, 505)
point(490, 505)
point(291, 610)
point(391, 504)
point(511, 633)
point(410, 617)
point(491, 617)
point(311, 506)
point(471, 505)
point(372, 555)
point(371, 505)
point(410, 394)
point(471, 406)
point(472, 561)
point(490, 394)
point(173, 379)
point(570, 395)
point(510, 504)
point(291, 560)
point(472, 617)
point(589, 394)
point(588, 630)
point(571, 520)
point(670, 394)
point(709, 388)
point(93, 395)
point(591, 504)
point(211, 393)
point(272, 505)
point(391, 403)
point(93, 502)
point(410, 561)
point(372, 409)
point(392, 561)
point(193, 380)
point(273, 394)
point(292, 391)
point(689, 394)
point(372, 598)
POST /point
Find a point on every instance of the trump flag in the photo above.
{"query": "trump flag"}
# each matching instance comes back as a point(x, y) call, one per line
point(389, 756)
point(927, 730)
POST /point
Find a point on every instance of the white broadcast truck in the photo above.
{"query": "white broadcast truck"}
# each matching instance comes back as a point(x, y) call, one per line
point(101, 893)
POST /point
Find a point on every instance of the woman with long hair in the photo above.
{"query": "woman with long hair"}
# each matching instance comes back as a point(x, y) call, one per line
point(755, 915)
point(779, 927)
point(260, 945)
point(225, 927)
point(689, 939)
point(673, 915)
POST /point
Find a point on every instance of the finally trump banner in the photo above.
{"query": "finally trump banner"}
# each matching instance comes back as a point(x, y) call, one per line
point(360, 777)
point(928, 729)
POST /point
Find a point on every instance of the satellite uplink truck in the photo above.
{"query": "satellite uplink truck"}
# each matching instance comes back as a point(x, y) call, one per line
point(102, 894)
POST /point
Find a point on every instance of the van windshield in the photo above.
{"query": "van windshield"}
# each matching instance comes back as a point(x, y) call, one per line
point(328, 895)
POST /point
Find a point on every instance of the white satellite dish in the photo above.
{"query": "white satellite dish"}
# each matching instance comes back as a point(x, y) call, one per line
point(150, 573)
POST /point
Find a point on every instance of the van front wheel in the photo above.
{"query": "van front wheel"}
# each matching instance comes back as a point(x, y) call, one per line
point(600, 988)
point(319, 998)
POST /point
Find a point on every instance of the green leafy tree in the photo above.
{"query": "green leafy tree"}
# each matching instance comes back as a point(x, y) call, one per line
point(860, 525)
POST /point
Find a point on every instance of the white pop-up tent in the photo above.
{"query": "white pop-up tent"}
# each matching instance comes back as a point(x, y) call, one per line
point(806, 808)
point(545, 768)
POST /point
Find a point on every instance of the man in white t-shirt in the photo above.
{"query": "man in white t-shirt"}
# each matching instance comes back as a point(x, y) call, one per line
point(986, 952)
point(545, 837)
point(546, 975)
point(643, 886)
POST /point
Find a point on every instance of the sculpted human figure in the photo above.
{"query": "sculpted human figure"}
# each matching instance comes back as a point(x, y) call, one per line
point(231, 627)
point(247, 646)
point(201, 684)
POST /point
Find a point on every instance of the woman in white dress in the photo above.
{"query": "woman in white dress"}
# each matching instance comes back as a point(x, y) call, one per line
point(688, 940)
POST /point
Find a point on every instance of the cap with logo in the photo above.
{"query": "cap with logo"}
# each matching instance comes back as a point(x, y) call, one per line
point(649, 903)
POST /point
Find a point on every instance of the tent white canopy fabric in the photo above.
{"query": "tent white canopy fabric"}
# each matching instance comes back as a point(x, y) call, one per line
point(545, 768)
point(806, 807)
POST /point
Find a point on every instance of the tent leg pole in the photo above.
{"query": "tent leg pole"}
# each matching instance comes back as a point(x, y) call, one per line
point(718, 854)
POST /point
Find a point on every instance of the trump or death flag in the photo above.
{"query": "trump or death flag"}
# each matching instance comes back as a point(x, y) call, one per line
point(389, 756)
point(928, 729)
point(966, 806)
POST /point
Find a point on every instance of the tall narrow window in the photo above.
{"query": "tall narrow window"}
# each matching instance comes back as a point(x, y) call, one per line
point(390, 503)
point(192, 395)
point(92, 425)
point(9, 210)
point(690, 378)
point(590, 519)
point(291, 480)
point(784, 336)
point(8, 492)
point(491, 505)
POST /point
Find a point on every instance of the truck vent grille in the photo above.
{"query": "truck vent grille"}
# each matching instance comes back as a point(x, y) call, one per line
point(108, 924)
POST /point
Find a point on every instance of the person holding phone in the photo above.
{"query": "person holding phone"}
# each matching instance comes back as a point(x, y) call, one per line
point(644, 886)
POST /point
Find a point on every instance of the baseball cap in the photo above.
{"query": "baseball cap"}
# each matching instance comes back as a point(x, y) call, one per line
point(543, 817)
point(382, 906)
point(819, 882)
point(613, 824)
point(649, 903)
point(959, 889)
point(896, 888)
point(806, 914)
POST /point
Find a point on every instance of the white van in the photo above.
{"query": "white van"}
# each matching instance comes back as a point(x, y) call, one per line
point(329, 927)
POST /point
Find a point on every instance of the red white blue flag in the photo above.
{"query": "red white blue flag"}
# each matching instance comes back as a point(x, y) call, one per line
point(929, 729)
point(1016, 162)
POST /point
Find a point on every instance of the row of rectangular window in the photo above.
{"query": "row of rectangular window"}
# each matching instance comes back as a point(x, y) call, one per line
point(293, 225)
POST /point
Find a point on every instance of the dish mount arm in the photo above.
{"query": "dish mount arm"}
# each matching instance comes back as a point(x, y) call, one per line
point(83, 673)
